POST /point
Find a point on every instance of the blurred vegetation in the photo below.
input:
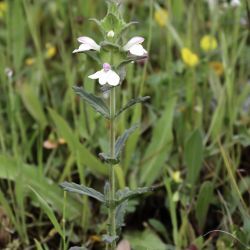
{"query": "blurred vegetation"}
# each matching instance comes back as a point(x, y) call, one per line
point(193, 142)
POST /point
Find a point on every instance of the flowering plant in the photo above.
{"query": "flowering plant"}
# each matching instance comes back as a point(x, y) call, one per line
point(112, 55)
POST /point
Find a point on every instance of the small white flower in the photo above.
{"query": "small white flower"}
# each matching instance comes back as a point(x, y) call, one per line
point(111, 34)
point(8, 72)
point(87, 44)
point(235, 3)
point(106, 75)
point(134, 46)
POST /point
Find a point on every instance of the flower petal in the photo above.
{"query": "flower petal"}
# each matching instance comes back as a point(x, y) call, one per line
point(103, 78)
point(82, 48)
point(137, 50)
point(97, 75)
point(133, 41)
point(113, 78)
point(89, 41)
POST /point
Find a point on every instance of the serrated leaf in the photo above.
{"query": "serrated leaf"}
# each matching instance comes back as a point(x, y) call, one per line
point(126, 193)
point(122, 139)
point(95, 102)
point(131, 103)
point(76, 188)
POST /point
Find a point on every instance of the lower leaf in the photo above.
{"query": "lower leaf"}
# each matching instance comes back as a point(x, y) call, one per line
point(76, 188)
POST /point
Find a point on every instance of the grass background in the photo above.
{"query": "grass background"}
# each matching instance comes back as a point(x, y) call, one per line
point(193, 142)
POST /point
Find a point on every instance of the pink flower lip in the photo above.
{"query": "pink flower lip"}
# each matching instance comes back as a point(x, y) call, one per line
point(106, 67)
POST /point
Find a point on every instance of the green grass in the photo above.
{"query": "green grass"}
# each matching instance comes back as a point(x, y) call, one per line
point(196, 122)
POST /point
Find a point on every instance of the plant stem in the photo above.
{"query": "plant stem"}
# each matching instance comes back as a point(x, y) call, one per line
point(64, 220)
point(112, 223)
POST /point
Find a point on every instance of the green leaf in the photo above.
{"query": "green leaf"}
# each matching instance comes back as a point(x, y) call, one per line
point(109, 160)
point(217, 125)
point(131, 103)
point(193, 156)
point(38, 245)
point(128, 25)
point(202, 204)
point(158, 226)
point(77, 149)
point(10, 170)
point(131, 59)
point(106, 191)
point(122, 139)
point(146, 239)
point(126, 193)
point(120, 214)
point(48, 210)
point(76, 188)
point(95, 102)
point(33, 104)
point(15, 16)
point(160, 146)
point(99, 25)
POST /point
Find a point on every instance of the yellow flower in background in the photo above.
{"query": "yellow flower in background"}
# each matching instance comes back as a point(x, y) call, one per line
point(3, 8)
point(30, 61)
point(208, 43)
point(177, 177)
point(217, 67)
point(189, 58)
point(161, 17)
point(95, 238)
point(51, 50)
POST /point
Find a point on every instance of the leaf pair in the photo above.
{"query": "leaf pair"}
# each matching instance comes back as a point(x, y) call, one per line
point(120, 203)
point(121, 195)
point(100, 106)
point(118, 146)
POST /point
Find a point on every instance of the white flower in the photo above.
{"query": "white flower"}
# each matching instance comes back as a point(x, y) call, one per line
point(235, 3)
point(106, 75)
point(111, 34)
point(9, 72)
point(87, 44)
point(134, 46)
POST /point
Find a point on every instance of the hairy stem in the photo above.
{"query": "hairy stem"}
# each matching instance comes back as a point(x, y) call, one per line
point(112, 223)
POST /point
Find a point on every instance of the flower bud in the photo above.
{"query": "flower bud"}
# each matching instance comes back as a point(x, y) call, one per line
point(111, 34)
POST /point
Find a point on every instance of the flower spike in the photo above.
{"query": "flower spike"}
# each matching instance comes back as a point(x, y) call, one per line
point(87, 44)
point(134, 46)
point(106, 75)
